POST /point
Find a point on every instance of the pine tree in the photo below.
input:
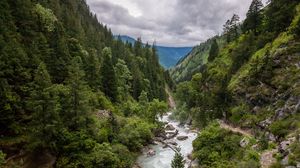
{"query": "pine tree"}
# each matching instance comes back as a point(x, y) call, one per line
point(178, 161)
point(124, 78)
point(77, 106)
point(254, 17)
point(109, 82)
point(227, 31)
point(214, 50)
point(234, 25)
point(45, 118)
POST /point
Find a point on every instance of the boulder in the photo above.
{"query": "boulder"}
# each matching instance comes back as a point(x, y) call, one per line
point(171, 142)
point(182, 138)
point(285, 161)
point(171, 134)
point(194, 164)
point(284, 145)
point(169, 127)
point(265, 123)
point(136, 166)
point(190, 156)
point(151, 152)
point(271, 136)
point(298, 164)
point(244, 142)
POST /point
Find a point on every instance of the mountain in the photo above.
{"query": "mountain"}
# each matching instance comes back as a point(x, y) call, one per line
point(168, 56)
point(194, 61)
point(70, 95)
point(246, 95)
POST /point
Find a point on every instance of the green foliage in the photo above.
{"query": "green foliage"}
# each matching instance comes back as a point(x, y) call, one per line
point(124, 78)
point(178, 161)
point(109, 82)
point(60, 69)
point(2, 158)
point(135, 133)
point(218, 147)
point(254, 17)
point(237, 113)
point(280, 128)
point(46, 16)
point(214, 51)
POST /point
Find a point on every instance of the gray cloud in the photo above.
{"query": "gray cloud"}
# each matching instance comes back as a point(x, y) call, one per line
point(169, 22)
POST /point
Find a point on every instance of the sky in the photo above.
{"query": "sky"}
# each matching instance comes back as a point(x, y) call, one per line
point(175, 23)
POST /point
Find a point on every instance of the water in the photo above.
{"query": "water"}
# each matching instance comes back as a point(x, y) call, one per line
point(164, 156)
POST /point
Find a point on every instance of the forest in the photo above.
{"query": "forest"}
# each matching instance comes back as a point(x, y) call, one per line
point(69, 92)
point(248, 77)
point(72, 95)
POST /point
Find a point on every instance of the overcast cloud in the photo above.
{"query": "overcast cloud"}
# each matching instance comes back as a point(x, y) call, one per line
point(169, 22)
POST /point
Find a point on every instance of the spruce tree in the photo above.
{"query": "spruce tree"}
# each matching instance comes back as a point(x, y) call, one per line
point(178, 161)
point(254, 17)
point(109, 82)
point(214, 50)
point(77, 106)
point(45, 118)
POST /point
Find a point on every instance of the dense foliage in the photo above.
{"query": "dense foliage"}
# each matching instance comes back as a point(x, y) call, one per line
point(65, 83)
point(253, 82)
point(178, 161)
point(217, 147)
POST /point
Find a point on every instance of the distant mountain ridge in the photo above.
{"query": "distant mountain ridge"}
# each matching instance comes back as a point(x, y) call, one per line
point(168, 56)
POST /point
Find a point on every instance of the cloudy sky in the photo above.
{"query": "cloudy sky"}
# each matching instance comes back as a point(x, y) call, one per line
point(169, 22)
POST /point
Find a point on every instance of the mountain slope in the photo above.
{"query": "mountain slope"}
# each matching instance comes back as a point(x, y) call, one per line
point(70, 95)
point(253, 84)
point(192, 63)
point(168, 56)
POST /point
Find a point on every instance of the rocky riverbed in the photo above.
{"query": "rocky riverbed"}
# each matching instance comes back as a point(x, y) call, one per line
point(160, 154)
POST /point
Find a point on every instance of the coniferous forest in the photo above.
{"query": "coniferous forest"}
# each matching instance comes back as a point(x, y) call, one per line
point(69, 91)
point(72, 95)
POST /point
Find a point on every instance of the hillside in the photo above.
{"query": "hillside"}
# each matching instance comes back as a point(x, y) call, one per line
point(253, 84)
point(70, 95)
point(168, 56)
point(193, 62)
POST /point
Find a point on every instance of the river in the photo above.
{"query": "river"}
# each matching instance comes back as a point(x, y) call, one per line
point(163, 156)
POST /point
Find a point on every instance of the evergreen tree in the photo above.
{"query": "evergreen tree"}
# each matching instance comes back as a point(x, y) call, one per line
point(214, 50)
point(124, 78)
point(178, 161)
point(77, 105)
point(234, 26)
point(279, 15)
point(254, 17)
point(46, 121)
point(109, 82)
point(226, 31)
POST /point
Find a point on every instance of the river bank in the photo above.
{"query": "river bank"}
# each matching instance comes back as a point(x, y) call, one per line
point(161, 154)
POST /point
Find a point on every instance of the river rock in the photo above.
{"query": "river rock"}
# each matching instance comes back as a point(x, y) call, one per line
point(136, 166)
point(171, 134)
point(194, 164)
point(182, 138)
point(172, 142)
point(190, 156)
point(298, 164)
point(151, 152)
point(158, 139)
point(169, 127)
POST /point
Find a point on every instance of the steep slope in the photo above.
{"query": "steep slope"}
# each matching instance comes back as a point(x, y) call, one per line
point(168, 56)
point(253, 84)
point(70, 95)
point(193, 62)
